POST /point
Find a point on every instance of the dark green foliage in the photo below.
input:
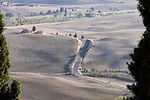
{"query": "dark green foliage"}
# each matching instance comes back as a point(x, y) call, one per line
point(82, 37)
point(4, 60)
point(57, 11)
point(92, 8)
point(75, 35)
point(1, 24)
point(15, 90)
point(140, 65)
point(65, 10)
point(5, 91)
point(62, 9)
point(49, 12)
point(33, 28)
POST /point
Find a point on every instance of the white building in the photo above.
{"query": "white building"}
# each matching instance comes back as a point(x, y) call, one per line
point(5, 3)
point(97, 15)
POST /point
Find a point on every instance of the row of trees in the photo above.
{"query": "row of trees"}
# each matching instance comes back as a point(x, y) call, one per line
point(62, 10)
point(75, 35)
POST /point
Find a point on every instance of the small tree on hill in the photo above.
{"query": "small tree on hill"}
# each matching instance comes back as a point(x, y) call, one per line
point(5, 91)
point(92, 8)
point(49, 12)
point(140, 64)
point(62, 9)
point(33, 29)
point(75, 35)
point(82, 37)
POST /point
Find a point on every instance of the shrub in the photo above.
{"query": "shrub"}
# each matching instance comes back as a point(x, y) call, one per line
point(33, 29)
point(25, 31)
point(75, 35)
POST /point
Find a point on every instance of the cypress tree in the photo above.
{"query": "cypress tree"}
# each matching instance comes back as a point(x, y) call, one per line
point(5, 91)
point(140, 64)
point(4, 61)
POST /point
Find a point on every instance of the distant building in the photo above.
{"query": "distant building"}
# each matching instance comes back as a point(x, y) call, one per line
point(6, 3)
point(107, 13)
point(97, 15)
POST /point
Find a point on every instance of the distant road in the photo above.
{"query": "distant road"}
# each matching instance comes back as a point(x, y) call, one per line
point(87, 45)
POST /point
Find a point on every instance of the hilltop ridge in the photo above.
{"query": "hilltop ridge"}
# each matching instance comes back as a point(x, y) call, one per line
point(60, 1)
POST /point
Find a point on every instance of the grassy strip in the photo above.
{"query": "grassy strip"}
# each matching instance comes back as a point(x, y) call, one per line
point(124, 75)
point(128, 97)
point(35, 20)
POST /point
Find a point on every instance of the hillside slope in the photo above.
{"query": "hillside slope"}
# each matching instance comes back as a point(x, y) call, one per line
point(36, 53)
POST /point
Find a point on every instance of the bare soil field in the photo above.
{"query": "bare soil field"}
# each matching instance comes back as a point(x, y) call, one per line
point(39, 53)
point(60, 87)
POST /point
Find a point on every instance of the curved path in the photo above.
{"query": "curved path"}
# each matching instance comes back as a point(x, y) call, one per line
point(84, 49)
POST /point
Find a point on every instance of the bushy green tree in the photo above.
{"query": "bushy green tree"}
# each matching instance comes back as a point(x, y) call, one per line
point(140, 64)
point(5, 91)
